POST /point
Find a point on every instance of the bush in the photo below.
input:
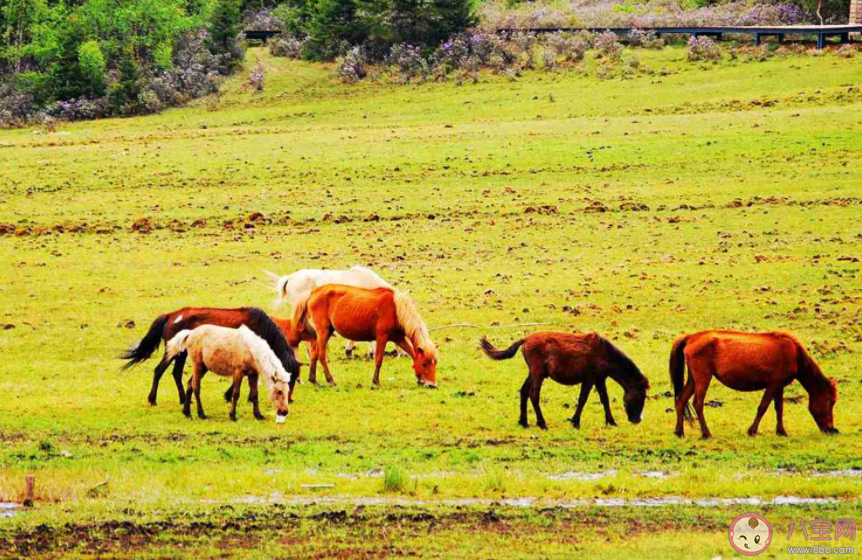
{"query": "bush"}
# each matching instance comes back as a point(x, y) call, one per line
point(92, 65)
point(645, 39)
point(256, 76)
point(608, 45)
point(352, 66)
point(703, 49)
point(288, 46)
point(408, 61)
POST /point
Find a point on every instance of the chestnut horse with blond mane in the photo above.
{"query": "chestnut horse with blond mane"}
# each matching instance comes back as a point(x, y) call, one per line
point(382, 315)
point(765, 362)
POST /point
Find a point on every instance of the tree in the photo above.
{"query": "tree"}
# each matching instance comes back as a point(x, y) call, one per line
point(223, 31)
point(125, 94)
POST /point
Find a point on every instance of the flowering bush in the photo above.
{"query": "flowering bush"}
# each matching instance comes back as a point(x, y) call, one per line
point(703, 48)
point(256, 77)
point(657, 13)
point(608, 45)
point(645, 39)
point(352, 66)
point(79, 109)
point(408, 61)
point(286, 45)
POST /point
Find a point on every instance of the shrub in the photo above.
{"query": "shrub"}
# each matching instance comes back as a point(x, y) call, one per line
point(408, 60)
point(92, 65)
point(703, 49)
point(352, 66)
point(15, 106)
point(288, 46)
point(608, 45)
point(572, 47)
point(645, 39)
point(256, 77)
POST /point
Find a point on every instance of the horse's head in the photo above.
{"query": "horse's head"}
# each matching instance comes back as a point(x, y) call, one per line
point(820, 405)
point(279, 393)
point(634, 400)
point(425, 366)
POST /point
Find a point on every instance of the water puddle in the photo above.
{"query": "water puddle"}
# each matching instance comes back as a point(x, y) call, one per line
point(528, 502)
point(568, 475)
point(585, 476)
point(8, 509)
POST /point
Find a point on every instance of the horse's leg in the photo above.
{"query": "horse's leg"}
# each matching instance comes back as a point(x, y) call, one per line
point(237, 383)
point(187, 406)
point(535, 392)
point(768, 397)
point(348, 348)
point(525, 394)
point(312, 357)
point(602, 388)
point(681, 402)
point(253, 395)
point(322, 339)
point(201, 414)
point(779, 412)
point(701, 386)
point(378, 359)
point(179, 364)
point(157, 376)
point(586, 387)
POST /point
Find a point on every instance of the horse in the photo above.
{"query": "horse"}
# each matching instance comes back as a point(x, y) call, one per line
point(165, 327)
point(765, 362)
point(569, 359)
point(382, 315)
point(234, 353)
point(294, 286)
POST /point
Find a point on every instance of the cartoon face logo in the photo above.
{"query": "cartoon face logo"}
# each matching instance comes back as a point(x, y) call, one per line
point(750, 534)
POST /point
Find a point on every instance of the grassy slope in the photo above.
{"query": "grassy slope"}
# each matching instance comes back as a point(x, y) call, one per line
point(478, 158)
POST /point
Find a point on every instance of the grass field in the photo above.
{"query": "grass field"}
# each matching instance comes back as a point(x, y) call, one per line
point(688, 199)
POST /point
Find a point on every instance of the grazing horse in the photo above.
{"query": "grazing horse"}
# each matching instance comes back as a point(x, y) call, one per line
point(294, 286)
point(570, 359)
point(765, 362)
point(165, 327)
point(382, 315)
point(234, 353)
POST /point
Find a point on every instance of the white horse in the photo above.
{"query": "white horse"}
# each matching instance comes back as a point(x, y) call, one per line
point(292, 287)
point(235, 353)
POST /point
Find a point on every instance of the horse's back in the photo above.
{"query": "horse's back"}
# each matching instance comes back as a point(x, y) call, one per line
point(355, 313)
point(744, 361)
point(565, 357)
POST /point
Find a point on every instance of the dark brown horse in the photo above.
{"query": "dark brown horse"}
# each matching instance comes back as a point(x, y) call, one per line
point(765, 362)
point(164, 328)
point(570, 359)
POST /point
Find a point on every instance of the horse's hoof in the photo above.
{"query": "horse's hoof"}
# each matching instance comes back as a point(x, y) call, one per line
point(752, 433)
point(679, 434)
point(613, 424)
point(575, 425)
point(523, 424)
point(259, 417)
point(706, 436)
point(781, 433)
point(187, 415)
point(543, 426)
point(202, 416)
point(233, 417)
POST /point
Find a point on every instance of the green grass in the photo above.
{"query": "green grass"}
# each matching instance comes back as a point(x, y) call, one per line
point(472, 198)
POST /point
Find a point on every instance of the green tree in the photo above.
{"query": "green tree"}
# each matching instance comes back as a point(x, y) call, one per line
point(125, 94)
point(223, 31)
point(91, 63)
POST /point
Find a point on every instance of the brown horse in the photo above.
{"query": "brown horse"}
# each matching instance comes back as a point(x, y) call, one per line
point(765, 362)
point(570, 359)
point(165, 327)
point(382, 315)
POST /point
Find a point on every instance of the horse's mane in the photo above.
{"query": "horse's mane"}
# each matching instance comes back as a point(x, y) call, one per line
point(265, 358)
point(630, 368)
point(412, 323)
point(260, 323)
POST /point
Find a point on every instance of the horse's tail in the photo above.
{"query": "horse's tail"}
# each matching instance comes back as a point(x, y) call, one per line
point(300, 313)
point(677, 373)
point(177, 345)
point(149, 344)
point(279, 283)
point(496, 354)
